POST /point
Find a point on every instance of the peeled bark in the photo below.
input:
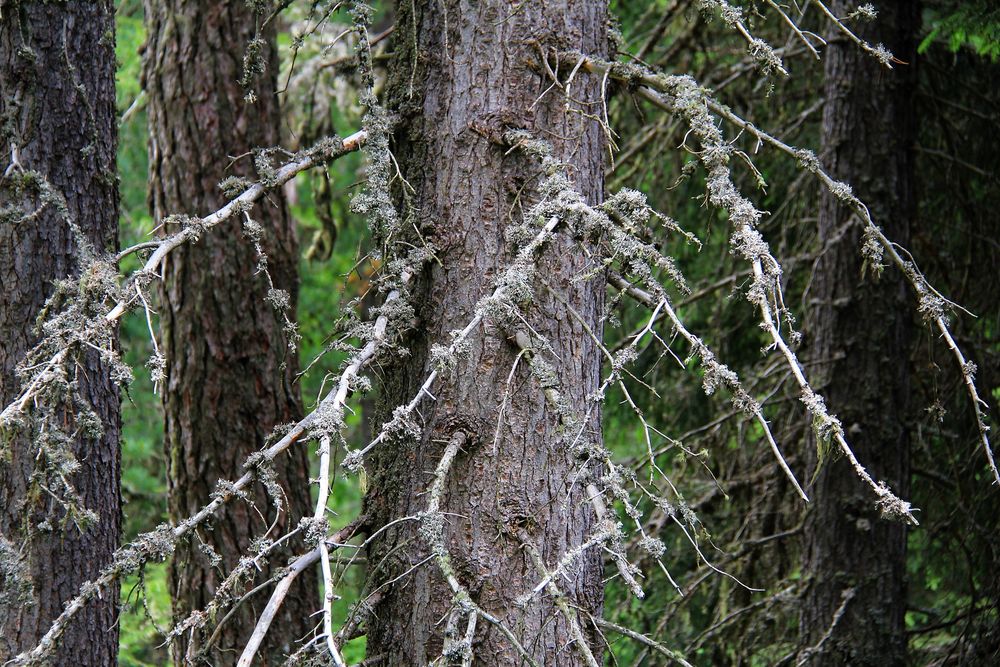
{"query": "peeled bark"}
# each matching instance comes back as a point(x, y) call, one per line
point(862, 327)
point(58, 127)
point(229, 373)
point(462, 75)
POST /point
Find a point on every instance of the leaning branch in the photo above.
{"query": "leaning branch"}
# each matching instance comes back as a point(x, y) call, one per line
point(158, 543)
point(703, 350)
point(324, 151)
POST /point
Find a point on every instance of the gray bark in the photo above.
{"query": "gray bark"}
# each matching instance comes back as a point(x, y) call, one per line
point(461, 76)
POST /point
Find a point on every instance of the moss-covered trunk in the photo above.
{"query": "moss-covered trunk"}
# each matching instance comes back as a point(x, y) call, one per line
point(58, 137)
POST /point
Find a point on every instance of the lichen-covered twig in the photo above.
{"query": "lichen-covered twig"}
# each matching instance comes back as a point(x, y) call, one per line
point(713, 367)
point(801, 34)
point(759, 50)
point(865, 12)
point(159, 543)
point(680, 95)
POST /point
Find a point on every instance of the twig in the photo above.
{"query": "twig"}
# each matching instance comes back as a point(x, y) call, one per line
point(699, 346)
point(270, 611)
point(641, 638)
point(579, 641)
point(322, 152)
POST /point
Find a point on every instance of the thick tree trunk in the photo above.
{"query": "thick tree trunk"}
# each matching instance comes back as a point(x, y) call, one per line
point(229, 370)
point(862, 329)
point(58, 122)
point(462, 74)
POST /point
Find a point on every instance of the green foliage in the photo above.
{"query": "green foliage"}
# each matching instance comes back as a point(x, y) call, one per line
point(145, 602)
point(143, 484)
point(130, 34)
point(145, 606)
point(974, 25)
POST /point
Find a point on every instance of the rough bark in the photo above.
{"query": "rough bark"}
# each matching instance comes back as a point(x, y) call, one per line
point(57, 116)
point(462, 74)
point(229, 370)
point(861, 330)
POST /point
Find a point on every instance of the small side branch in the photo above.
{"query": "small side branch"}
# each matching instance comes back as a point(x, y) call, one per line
point(699, 346)
point(642, 639)
point(579, 641)
point(323, 152)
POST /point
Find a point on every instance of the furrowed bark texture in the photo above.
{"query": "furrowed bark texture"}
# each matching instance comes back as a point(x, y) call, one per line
point(463, 73)
point(57, 115)
point(229, 370)
point(862, 329)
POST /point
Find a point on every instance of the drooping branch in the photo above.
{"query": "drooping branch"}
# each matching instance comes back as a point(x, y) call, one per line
point(931, 303)
point(746, 404)
point(681, 96)
point(661, 91)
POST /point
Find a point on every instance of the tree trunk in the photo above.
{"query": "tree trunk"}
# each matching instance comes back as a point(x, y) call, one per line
point(855, 603)
point(462, 74)
point(229, 371)
point(58, 129)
